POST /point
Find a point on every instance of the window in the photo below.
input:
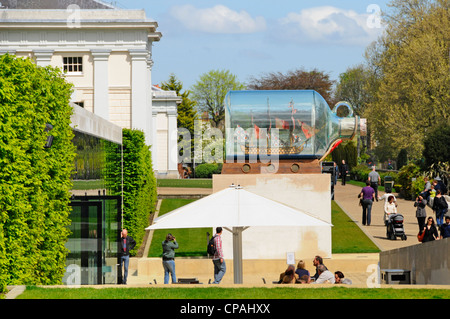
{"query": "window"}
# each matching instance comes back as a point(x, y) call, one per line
point(79, 104)
point(73, 64)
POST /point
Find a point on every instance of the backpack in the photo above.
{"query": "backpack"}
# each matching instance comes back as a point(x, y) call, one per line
point(211, 249)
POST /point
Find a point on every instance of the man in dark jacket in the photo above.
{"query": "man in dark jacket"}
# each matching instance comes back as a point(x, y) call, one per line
point(126, 244)
point(343, 171)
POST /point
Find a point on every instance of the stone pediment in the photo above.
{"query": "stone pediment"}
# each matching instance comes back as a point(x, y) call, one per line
point(53, 4)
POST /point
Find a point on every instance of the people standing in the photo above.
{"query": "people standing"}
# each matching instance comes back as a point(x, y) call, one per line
point(421, 213)
point(218, 260)
point(127, 243)
point(367, 196)
point(168, 258)
point(343, 171)
point(375, 180)
point(430, 230)
point(440, 207)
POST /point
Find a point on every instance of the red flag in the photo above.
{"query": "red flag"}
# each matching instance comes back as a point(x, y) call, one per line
point(256, 131)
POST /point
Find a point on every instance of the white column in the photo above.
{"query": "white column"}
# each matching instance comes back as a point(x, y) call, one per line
point(172, 140)
point(149, 97)
point(139, 86)
point(43, 57)
point(154, 137)
point(101, 82)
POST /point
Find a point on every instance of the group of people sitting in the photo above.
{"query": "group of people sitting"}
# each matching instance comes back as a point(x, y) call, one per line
point(301, 275)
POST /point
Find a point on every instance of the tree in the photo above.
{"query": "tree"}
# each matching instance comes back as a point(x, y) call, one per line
point(210, 90)
point(412, 60)
point(353, 86)
point(437, 145)
point(298, 79)
point(186, 109)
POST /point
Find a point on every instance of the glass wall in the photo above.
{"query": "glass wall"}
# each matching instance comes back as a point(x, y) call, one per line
point(96, 214)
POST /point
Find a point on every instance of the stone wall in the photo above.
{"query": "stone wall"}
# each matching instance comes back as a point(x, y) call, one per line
point(428, 262)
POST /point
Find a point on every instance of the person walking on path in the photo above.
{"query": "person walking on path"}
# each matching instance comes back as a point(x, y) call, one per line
point(421, 213)
point(375, 180)
point(218, 260)
point(127, 243)
point(440, 207)
point(367, 195)
point(169, 245)
point(430, 230)
point(343, 171)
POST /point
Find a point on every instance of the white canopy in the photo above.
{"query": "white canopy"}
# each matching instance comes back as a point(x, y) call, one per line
point(235, 207)
point(238, 209)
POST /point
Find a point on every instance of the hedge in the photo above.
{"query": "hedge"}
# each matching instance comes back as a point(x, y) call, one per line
point(35, 181)
point(139, 183)
point(207, 170)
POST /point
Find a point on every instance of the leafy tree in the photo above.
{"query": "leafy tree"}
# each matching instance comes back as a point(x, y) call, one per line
point(437, 145)
point(298, 79)
point(35, 181)
point(412, 62)
point(186, 109)
point(210, 90)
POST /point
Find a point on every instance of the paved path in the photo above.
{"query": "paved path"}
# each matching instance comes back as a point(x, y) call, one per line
point(347, 198)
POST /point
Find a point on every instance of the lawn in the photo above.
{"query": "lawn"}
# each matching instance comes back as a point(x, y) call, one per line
point(192, 241)
point(347, 237)
point(283, 292)
point(190, 183)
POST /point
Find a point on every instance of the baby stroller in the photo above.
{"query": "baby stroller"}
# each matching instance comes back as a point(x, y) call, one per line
point(394, 227)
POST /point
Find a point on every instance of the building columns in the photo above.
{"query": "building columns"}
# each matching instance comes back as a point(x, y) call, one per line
point(172, 137)
point(139, 87)
point(101, 83)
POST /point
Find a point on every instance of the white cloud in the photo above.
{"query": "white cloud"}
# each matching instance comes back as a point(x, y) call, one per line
point(218, 19)
point(330, 25)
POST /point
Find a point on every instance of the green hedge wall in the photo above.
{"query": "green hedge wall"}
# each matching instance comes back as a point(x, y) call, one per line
point(139, 183)
point(34, 181)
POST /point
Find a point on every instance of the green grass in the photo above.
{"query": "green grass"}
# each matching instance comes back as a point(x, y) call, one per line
point(283, 292)
point(190, 183)
point(192, 242)
point(347, 237)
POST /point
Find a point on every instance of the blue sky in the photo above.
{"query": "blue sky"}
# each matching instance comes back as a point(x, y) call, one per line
point(253, 37)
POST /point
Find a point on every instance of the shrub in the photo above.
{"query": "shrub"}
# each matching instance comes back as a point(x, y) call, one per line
point(206, 170)
point(35, 181)
point(360, 172)
point(405, 179)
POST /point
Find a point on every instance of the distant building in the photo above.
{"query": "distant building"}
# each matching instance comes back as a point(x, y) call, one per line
point(106, 52)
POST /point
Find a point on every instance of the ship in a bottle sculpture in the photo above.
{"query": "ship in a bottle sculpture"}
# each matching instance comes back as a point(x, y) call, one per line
point(291, 125)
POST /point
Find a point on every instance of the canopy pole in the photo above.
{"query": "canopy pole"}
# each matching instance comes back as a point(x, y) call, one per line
point(237, 254)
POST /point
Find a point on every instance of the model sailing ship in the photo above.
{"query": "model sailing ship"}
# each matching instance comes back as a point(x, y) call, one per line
point(290, 138)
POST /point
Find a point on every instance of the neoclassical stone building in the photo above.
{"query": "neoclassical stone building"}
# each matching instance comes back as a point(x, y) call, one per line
point(106, 52)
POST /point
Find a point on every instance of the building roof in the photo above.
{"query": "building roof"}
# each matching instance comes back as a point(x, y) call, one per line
point(53, 4)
